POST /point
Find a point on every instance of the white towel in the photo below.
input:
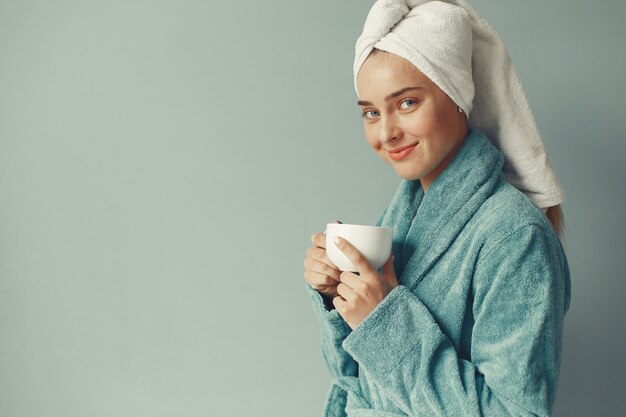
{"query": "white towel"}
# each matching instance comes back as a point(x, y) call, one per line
point(461, 53)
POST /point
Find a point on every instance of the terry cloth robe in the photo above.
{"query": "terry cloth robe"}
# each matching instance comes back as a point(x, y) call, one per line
point(475, 326)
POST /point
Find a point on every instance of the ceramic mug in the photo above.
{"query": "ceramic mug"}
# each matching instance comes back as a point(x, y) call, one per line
point(372, 241)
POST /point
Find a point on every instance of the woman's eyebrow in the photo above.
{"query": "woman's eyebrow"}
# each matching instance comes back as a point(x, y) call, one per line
point(390, 96)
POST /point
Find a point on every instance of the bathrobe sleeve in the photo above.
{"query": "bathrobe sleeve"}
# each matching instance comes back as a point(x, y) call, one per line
point(334, 330)
point(521, 292)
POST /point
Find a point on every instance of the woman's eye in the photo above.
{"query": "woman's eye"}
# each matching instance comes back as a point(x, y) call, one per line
point(369, 114)
point(408, 103)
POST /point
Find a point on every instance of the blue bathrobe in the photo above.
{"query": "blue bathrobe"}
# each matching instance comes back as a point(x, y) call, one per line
point(475, 326)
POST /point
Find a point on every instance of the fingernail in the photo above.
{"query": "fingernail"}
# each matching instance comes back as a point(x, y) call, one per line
point(336, 240)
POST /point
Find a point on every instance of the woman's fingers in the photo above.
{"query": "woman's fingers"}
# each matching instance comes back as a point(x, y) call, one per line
point(319, 271)
point(389, 275)
point(314, 265)
point(353, 281)
point(346, 292)
point(341, 305)
point(319, 240)
point(356, 257)
point(320, 255)
point(317, 280)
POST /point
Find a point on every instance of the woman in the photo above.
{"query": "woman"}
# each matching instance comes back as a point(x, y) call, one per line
point(467, 318)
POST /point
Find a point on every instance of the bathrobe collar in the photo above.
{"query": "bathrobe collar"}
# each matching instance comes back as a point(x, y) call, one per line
point(425, 224)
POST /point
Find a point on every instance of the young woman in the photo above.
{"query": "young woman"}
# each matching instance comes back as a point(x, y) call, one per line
point(466, 316)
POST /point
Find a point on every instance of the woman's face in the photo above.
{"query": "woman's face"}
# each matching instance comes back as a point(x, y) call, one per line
point(404, 109)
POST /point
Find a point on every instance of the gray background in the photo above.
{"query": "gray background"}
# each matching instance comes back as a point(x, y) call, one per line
point(163, 164)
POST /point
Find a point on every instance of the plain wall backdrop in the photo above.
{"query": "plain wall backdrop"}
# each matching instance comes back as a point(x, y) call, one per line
point(163, 164)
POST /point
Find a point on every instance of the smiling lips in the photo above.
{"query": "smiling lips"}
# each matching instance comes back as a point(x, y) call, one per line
point(400, 153)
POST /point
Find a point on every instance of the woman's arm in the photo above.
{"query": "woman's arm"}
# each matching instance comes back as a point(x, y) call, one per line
point(334, 330)
point(321, 279)
point(521, 292)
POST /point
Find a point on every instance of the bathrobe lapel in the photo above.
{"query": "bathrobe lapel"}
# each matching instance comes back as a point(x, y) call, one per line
point(426, 224)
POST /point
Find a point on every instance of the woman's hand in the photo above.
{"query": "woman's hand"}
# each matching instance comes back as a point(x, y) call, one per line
point(319, 271)
point(359, 295)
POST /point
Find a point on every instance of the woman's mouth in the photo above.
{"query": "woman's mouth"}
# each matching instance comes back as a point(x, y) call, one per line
point(401, 153)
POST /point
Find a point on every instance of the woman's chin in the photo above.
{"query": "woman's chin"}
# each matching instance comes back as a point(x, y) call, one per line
point(403, 171)
point(408, 175)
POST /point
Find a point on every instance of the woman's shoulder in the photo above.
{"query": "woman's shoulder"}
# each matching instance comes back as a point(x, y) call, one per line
point(508, 212)
point(517, 239)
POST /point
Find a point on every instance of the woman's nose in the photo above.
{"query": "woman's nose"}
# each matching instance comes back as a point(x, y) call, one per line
point(388, 130)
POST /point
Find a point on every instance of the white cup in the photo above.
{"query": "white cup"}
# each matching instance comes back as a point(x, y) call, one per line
point(373, 242)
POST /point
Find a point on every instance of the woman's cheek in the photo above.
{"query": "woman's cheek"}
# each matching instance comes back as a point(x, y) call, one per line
point(423, 122)
point(371, 138)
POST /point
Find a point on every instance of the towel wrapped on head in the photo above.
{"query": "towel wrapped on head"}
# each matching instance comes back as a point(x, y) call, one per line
point(460, 52)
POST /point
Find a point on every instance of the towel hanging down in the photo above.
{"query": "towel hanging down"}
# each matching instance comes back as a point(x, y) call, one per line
point(461, 53)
